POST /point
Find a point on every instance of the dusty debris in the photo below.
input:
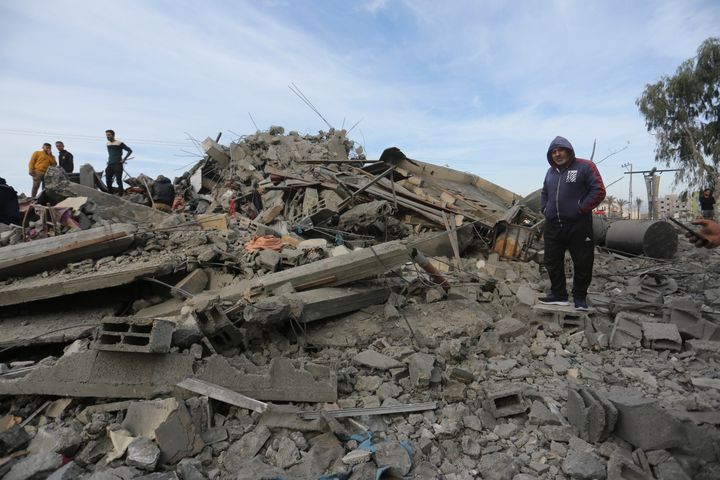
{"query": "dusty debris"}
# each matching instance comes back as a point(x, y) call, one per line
point(388, 309)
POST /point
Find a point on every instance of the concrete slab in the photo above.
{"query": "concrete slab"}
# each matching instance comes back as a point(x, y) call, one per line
point(644, 424)
point(284, 380)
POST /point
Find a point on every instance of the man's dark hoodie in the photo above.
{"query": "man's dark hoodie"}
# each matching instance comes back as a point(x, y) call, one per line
point(163, 190)
point(572, 191)
point(9, 209)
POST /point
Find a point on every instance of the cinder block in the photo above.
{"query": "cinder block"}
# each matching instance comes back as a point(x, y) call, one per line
point(661, 336)
point(505, 403)
point(563, 317)
point(140, 335)
point(685, 314)
point(219, 329)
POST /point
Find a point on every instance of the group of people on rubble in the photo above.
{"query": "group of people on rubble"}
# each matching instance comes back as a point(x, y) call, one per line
point(162, 191)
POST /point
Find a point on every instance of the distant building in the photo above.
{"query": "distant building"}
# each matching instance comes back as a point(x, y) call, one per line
point(674, 206)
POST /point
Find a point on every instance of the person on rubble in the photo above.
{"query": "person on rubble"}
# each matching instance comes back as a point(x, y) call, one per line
point(572, 188)
point(163, 194)
point(116, 161)
point(65, 158)
point(40, 161)
point(9, 208)
point(707, 204)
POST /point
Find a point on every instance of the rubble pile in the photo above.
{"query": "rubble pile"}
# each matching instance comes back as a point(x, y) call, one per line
point(310, 313)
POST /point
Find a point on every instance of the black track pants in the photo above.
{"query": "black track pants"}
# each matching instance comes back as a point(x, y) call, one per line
point(578, 239)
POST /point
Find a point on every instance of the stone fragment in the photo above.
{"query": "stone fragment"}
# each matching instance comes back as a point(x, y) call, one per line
point(582, 463)
point(373, 359)
point(121, 473)
point(69, 471)
point(420, 367)
point(661, 336)
point(161, 476)
point(498, 466)
point(541, 414)
point(671, 470)
point(526, 295)
point(143, 453)
point(627, 330)
point(394, 456)
point(251, 443)
point(462, 375)
point(287, 453)
point(587, 414)
point(55, 438)
point(357, 456)
point(705, 349)
point(38, 465)
point(621, 467)
point(644, 424)
point(711, 383)
point(509, 327)
point(14, 439)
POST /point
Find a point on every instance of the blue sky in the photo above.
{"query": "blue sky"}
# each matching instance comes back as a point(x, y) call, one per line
point(480, 86)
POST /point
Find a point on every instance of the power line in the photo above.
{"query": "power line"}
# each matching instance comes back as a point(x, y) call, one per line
point(92, 138)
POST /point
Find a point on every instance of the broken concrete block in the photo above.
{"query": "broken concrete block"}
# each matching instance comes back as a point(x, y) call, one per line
point(594, 419)
point(193, 283)
point(13, 439)
point(541, 415)
point(507, 402)
point(39, 465)
point(661, 336)
point(373, 359)
point(685, 314)
point(251, 443)
point(644, 424)
point(157, 476)
point(420, 367)
point(141, 335)
point(705, 349)
point(143, 453)
point(282, 381)
point(168, 423)
point(216, 152)
point(56, 438)
point(582, 462)
point(394, 457)
point(268, 259)
point(509, 327)
point(627, 330)
point(526, 295)
point(356, 457)
point(69, 471)
point(620, 467)
point(498, 466)
point(220, 331)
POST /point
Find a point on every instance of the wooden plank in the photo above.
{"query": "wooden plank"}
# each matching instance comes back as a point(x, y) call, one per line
point(452, 235)
point(222, 394)
point(32, 289)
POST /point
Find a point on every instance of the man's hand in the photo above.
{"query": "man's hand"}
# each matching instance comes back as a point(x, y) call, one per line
point(709, 229)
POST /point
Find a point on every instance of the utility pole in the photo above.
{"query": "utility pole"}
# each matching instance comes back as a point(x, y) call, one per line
point(630, 198)
point(651, 183)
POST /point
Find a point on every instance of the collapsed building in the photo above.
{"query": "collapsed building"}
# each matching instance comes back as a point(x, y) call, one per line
point(310, 313)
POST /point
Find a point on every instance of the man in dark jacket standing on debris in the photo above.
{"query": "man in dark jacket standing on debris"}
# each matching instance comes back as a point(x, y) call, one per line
point(571, 190)
point(116, 161)
point(65, 158)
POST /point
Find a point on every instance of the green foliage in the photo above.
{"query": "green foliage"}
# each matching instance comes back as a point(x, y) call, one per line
point(683, 112)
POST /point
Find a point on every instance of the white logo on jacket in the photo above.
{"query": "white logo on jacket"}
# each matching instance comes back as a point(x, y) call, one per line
point(571, 176)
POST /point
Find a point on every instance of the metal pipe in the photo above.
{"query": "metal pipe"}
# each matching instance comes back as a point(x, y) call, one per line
point(425, 264)
point(652, 238)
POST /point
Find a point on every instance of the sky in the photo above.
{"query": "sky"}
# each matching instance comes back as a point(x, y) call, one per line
point(481, 86)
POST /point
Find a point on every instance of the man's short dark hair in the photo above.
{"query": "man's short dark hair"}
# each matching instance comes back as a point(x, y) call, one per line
point(60, 143)
point(47, 145)
point(110, 131)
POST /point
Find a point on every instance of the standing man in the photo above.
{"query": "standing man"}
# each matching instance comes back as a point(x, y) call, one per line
point(65, 158)
point(9, 208)
point(571, 190)
point(40, 161)
point(115, 163)
point(707, 204)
